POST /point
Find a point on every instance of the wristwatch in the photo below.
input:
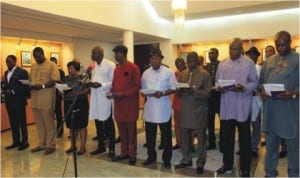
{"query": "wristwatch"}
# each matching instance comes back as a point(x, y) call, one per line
point(294, 96)
point(43, 86)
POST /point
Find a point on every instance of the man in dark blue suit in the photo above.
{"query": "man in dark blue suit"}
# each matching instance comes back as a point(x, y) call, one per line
point(15, 100)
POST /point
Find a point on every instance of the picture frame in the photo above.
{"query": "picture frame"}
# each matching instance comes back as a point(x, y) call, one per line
point(56, 55)
point(26, 58)
point(183, 55)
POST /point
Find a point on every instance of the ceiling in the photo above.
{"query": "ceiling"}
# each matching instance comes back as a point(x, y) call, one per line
point(18, 18)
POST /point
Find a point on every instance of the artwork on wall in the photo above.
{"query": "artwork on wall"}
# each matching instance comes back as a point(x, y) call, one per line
point(56, 55)
point(183, 55)
point(26, 58)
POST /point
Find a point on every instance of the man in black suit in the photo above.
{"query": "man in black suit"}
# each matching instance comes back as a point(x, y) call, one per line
point(15, 100)
point(58, 110)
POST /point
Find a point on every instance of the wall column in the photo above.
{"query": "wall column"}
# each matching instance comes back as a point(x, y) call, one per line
point(129, 43)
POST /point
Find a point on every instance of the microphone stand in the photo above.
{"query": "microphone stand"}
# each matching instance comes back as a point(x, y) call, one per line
point(73, 135)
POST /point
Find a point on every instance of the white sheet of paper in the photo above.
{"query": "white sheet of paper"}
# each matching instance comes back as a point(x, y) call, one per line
point(148, 91)
point(25, 82)
point(183, 85)
point(224, 83)
point(61, 87)
point(273, 87)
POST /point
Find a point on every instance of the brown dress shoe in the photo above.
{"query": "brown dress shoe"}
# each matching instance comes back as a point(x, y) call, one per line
point(49, 151)
point(37, 149)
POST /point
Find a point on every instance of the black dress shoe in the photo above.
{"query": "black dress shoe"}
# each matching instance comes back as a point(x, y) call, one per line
point(167, 165)
point(119, 158)
point(12, 146)
point(245, 174)
point(224, 170)
point(132, 161)
point(200, 170)
point(111, 153)
point(175, 147)
point(23, 146)
point(149, 161)
point(81, 152)
point(183, 165)
point(98, 151)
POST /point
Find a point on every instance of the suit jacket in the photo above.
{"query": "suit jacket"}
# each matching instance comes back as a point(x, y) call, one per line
point(20, 91)
point(194, 106)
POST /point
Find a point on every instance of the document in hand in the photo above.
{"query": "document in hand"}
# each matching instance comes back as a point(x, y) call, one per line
point(25, 82)
point(274, 89)
point(227, 84)
point(62, 87)
point(183, 85)
point(148, 91)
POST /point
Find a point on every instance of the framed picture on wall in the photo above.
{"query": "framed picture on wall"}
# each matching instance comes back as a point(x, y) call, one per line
point(56, 55)
point(183, 55)
point(26, 58)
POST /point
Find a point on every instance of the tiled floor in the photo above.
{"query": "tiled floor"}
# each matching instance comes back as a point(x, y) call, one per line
point(26, 164)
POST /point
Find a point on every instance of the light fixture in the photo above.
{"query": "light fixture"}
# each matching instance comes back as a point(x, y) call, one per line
point(19, 43)
point(179, 8)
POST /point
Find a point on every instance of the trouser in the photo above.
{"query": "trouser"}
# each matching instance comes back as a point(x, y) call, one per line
point(166, 135)
point(271, 162)
point(213, 109)
point(105, 129)
point(256, 133)
point(177, 126)
point(128, 136)
point(59, 117)
point(17, 121)
point(44, 119)
point(186, 148)
point(228, 132)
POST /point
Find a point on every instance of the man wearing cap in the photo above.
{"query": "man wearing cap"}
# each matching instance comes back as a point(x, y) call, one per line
point(253, 54)
point(157, 109)
point(125, 92)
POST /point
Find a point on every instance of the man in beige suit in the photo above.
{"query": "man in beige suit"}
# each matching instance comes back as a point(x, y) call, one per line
point(194, 105)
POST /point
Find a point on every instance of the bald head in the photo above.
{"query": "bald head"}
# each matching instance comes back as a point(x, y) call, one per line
point(235, 48)
point(97, 54)
point(283, 43)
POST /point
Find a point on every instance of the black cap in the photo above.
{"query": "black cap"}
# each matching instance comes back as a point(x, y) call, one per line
point(155, 51)
point(120, 48)
point(253, 50)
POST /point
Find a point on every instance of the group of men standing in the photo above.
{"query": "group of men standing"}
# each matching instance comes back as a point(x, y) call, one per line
point(115, 95)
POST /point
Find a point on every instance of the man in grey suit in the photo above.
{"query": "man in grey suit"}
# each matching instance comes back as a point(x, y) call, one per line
point(194, 106)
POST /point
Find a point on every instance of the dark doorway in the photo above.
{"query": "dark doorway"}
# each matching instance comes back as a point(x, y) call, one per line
point(141, 55)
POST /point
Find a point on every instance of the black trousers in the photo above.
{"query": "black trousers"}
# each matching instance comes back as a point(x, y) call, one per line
point(17, 119)
point(213, 109)
point(58, 115)
point(166, 136)
point(228, 129)
point(105, 129)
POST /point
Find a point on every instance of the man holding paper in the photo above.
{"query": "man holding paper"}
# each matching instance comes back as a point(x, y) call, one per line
point(235, 105)
point(281, 114)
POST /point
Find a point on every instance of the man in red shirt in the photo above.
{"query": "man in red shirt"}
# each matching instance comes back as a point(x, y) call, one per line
point(125, 91)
